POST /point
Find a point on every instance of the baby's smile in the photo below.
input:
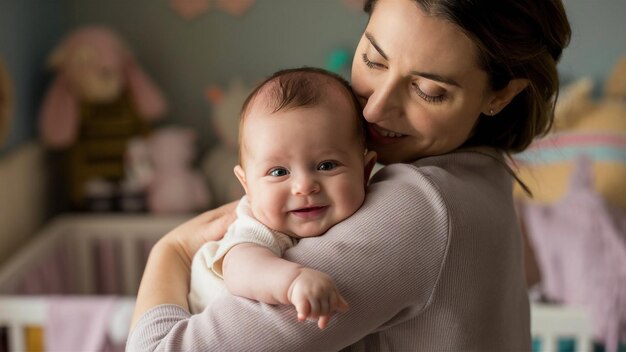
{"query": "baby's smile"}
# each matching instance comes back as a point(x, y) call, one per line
point(309, 213)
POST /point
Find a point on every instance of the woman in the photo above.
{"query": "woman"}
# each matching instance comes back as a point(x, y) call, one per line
point(433, 259)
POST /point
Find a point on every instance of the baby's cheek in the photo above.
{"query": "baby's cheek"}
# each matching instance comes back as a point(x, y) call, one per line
point(267, 215)
point(354, 202)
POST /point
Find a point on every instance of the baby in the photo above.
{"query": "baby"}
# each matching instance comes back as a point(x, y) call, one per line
point(304, 168)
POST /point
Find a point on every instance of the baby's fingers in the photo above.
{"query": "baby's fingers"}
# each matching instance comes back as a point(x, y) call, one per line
point(303, 308)
point(322, 322)
point(342, 304)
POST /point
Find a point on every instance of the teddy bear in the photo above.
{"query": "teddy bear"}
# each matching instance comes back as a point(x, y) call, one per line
point(219, 161)
point(584, 126)
point(174, 186)
point(99, 99)
point(6, 102)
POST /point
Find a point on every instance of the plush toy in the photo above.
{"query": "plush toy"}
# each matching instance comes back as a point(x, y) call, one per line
point(219, 161)
point(175, 186)
point(99, 99)
point(6, 102)
point(594, 128)
point(191, 9)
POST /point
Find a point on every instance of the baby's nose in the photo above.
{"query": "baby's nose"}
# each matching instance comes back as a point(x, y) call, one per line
point(305, 185)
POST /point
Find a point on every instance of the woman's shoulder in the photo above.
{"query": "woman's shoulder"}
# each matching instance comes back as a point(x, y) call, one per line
point(440, 182)
point(463, 166)
point(435, 169)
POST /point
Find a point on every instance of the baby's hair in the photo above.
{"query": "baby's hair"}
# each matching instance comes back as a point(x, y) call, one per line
point(300, 88)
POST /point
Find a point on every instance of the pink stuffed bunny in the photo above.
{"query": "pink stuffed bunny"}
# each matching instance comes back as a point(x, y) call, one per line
point(175, 186)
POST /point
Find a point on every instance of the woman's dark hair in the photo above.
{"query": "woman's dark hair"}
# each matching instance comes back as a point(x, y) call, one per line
point(515, 39)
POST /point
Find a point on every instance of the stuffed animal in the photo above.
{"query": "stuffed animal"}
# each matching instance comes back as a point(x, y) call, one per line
point(175, 186)
point(594, 128)
point(218, 163)
point(6, 102)
point(99, 99)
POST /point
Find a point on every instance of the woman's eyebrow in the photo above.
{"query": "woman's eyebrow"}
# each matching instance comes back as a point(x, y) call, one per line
point(436, 77)
point(370, 37)
point(431, 76)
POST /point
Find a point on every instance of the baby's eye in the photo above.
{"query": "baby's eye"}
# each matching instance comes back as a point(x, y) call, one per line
point(278, 172)
point(327, 165)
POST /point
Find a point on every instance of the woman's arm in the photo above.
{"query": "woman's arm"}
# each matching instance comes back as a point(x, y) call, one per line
point(385, 259)
point(166, 276)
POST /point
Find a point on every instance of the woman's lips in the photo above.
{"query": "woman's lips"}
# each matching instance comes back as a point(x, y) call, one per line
point(382, 137)
point(309, 212)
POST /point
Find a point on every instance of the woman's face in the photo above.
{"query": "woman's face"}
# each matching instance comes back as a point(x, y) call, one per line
point(419, 81)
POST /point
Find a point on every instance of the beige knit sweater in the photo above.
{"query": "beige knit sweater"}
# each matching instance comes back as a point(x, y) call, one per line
point(431, 262)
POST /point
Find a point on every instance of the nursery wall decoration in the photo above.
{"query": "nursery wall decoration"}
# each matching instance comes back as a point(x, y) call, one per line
point(356, 5)
point(192, 9)
point(6, 102)
point(339, 61)
point(99, 99)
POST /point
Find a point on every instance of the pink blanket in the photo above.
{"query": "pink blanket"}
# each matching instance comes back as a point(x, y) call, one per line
point(80, 323)
point(580, 245)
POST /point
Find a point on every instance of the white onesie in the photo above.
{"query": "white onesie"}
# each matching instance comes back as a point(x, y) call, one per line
point(206, 268)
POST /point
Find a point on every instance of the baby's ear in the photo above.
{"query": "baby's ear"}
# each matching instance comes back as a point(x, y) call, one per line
point(369, 162)
point(241, 176)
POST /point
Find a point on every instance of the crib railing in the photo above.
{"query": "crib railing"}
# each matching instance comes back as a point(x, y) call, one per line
point(558, 327)
point(82, 254)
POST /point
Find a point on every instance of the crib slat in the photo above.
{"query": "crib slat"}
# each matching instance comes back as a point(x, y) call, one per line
point(23, 311)
point(129, 260)
point(85, 262)
point(551, 323)
point(17, 340)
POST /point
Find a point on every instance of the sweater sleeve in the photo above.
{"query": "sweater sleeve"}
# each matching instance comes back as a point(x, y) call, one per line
point(386, 260)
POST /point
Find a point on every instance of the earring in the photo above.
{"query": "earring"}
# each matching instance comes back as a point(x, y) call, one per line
point(491, 112)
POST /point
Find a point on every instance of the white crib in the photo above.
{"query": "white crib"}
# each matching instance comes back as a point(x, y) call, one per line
point(77, 236)
point(67, 257)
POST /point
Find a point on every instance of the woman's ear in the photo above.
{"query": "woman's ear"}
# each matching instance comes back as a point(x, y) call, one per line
point(370, 161)
point(241, 176)
point(503, 97)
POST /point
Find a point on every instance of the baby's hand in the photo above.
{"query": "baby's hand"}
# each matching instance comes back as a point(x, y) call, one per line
point(316, 297)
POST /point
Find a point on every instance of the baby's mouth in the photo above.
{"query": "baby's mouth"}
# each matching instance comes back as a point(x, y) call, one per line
point(309, 212)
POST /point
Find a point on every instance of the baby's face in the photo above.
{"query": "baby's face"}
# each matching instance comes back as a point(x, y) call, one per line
point(303, 168)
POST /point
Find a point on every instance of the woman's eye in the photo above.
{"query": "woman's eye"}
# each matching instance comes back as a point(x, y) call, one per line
point(371, 64)
point(278, 172)
point(435, 99)
point(327, 165)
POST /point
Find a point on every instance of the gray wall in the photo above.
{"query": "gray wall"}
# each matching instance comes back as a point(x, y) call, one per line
point(185, 57)
point(598, 38)
point(28, 30)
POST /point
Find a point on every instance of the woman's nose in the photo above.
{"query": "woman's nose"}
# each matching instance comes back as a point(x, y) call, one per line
point(384, 102)
point(305, 185)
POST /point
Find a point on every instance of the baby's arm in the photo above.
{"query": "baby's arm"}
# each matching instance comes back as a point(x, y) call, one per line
point(254, 272)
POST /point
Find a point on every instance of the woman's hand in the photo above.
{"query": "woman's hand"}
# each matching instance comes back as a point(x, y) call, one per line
point(208, 226)
point(166, 276)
